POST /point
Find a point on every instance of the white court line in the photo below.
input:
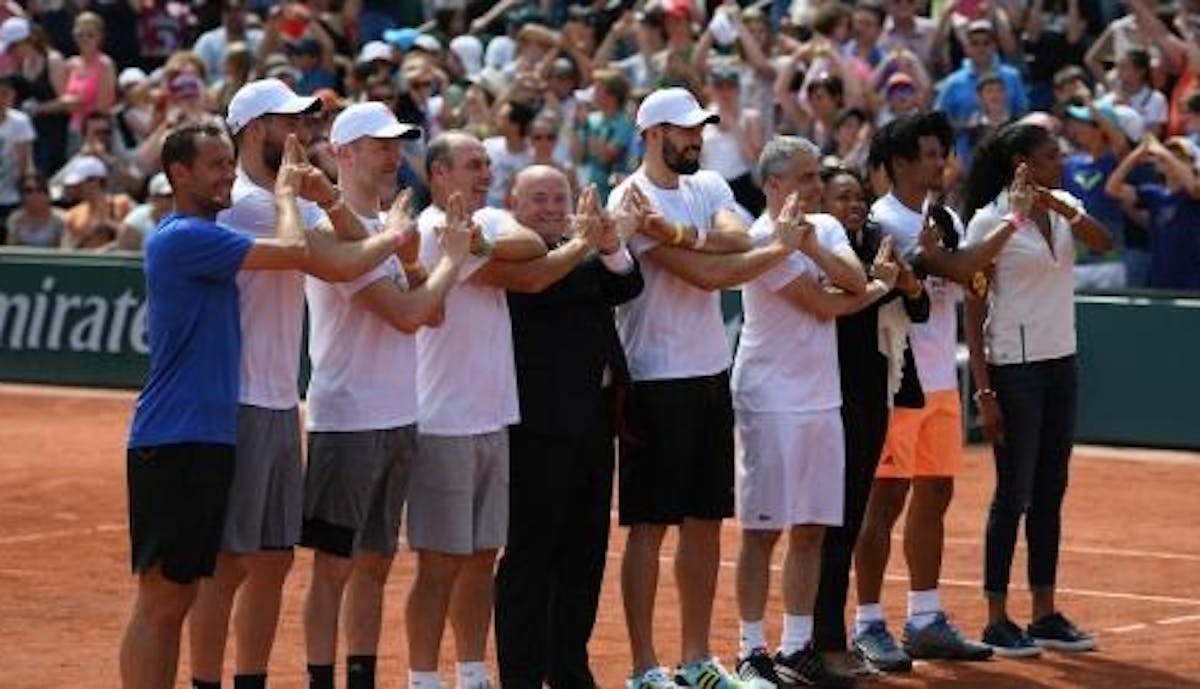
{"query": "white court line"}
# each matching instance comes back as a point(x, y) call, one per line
point(1179, 620)
point(1089, 550)
point(1125, 629)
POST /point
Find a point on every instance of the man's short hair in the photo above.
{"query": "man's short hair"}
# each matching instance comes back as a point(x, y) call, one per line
point(901, 138)
point(441, 149)
point(779, 152)
point(181, 144)
point(986, 79)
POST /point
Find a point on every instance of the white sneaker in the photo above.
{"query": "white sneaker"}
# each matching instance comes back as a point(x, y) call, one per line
point(654, 678)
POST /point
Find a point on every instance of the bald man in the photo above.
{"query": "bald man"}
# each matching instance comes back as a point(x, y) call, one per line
point(569, 368)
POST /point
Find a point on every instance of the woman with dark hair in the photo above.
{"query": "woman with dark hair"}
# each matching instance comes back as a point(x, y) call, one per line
point(41, 75)
point(865, 404)
point(1020, 329)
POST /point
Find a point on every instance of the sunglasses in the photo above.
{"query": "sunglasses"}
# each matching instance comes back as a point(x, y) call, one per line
point(543, 137)
point(420, 84)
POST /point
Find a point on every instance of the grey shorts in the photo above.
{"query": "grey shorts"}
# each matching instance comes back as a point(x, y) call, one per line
point(459, 499)
point(267, 495)
point(355, 489)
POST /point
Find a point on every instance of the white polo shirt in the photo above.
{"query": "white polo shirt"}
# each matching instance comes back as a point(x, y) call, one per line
point(1031, 303)
point(787, 358)
point(466, 376)
point(364, 371)
point(271, 302)
point(674, 329)
point(934, 343)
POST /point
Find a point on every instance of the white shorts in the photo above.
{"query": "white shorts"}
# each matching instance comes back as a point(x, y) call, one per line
point(790, 469)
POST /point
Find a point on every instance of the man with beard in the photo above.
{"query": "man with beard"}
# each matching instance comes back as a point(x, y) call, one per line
point(263, 522)
point(181, 442)
point(362, 398)
point(570, 369)
point(467, 398)
point(923, 447)
point(677, 467)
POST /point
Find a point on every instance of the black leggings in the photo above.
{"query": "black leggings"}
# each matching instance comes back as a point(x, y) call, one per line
point(1038, 402)
point(865, 427)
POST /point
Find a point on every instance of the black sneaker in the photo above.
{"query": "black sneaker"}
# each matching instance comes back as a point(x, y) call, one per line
point(1009, 640)
point(758, 668)
point(1057, 633)
point(806, 668)
point(940, 640)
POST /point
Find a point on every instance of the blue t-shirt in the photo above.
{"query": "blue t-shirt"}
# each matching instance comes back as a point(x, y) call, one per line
point(1084, 177)
point(957, 95)
point(195, 335)
point(1174, 237)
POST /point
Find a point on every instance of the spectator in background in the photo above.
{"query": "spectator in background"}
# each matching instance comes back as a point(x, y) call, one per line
point(1053, 38)
point(607, 134)
point(732, 145)
point(543, 141)
point(907, 29)
point(213, 46)
point(900, 98)
point(94, 221)
point(852, 132)
point(91, 76)
point(134, 113)
point(36, 222)
point(16, 149)
point(509, 150)
point(40, 73)
point(141, 221)
point(648, 31)
point(1133, 88)
point(958, 97)
point(992, 96)
point(863, 51)
point(235, 73)
point(314, 62)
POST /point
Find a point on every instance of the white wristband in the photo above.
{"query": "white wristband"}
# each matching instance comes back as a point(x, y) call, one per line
point(701, 237)
point(618, 262)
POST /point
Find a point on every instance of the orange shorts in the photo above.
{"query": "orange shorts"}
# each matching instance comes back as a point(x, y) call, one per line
point(926, 441)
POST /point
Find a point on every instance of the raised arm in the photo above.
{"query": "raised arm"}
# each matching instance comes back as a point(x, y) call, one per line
point(289, 248)
point(1116, 185)
point(1085, 228)
point(840, 264)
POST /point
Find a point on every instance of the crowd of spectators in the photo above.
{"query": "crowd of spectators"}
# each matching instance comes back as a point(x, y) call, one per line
point(90, 88)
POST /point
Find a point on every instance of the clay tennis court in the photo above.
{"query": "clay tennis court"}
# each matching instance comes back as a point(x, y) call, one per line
point(1130, 567)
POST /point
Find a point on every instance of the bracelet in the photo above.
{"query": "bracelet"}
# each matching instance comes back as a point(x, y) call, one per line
point(485, 247)
point(701, 237)
point(983, 392)
point(412, 266)
point(1074, 220)
point(677, 235)
point(330, 207)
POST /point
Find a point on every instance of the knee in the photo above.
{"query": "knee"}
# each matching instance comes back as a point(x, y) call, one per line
point(273, 566)
point(646, 536)
point(437, 571)
point(165, 604)
point(759, 542)
point(806, 537)
point(372, 568)
point(330, 570)
point(933, 495)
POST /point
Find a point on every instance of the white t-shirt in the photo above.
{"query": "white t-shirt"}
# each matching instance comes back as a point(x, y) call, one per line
point(364, 371)
point(505, 165)
point(787, 358)
point(1149, 103)
point(16, 128)
point(1031, 303)
point(722, 152)
point(674, 329)
point(466, 377)
point(271, 301)
point(935, 342)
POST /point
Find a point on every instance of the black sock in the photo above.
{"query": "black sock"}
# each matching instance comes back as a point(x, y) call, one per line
point(320, 677)
point(360, 672)
point(250, 681)
point(201, 684)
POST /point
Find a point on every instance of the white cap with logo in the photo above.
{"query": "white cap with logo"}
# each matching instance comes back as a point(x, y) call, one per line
point(675, 106)
point(374, 120)
point(266, 97)
point(84, 168)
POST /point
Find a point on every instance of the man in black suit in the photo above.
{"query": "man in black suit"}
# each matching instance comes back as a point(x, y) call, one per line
point(570, 371)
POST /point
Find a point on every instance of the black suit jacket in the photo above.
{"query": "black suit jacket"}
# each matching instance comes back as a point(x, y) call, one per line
point(563, 338)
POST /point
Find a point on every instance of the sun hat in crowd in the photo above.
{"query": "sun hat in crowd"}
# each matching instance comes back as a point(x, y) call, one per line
point(470, 53)
point(266, 97)
point(1126, 118)
point(675, 106)
point(369, 120)
point(13, 31)
point(130, 77)
point(374, 50)
point(84, 168)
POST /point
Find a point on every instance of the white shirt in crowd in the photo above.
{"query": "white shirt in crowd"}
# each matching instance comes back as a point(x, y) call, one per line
point(466, 376)
point(1031, 303)
point(1149, 103)
point(505, 164)
point(934, 343)
point(364, 371)
point(787, 358)
point(674, 329)
point(722, 152)
point(16, 128)
point(271, 301)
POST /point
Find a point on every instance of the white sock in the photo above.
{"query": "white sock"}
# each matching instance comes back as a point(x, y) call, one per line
point(797, 632)
point(471, 674)
point(752, 637)
point(872, 612)
point(923, 607)
point(424, 680)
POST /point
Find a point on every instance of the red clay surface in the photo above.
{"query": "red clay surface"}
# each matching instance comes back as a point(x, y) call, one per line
point(1130, 568)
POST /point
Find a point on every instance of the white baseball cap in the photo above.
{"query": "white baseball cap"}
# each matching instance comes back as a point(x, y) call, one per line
point(674, 106)
point(374, 50)
point(428, 43)
point(13, 31)
point(266, 97)
point(131, 76)
point(84, 168)
point(159, 185)
point(374, 120)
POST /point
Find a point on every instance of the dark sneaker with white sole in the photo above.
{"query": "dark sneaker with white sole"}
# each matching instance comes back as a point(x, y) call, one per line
point(940, 640)
point(1057, 633)
point(758, 669)
point(876, 646)
point(1009, 640)
point(806, 668)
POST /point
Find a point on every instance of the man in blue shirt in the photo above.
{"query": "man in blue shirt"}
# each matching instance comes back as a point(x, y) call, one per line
point(181, 444)
point(957, 95)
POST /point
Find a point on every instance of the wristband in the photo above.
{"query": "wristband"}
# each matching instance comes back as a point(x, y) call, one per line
point(329, 208)
point(412, 266)
point(1015, 219)
point(1074, 220)
point(701, 237)
point(484, 249)
point(677, 235)
point(984, 392)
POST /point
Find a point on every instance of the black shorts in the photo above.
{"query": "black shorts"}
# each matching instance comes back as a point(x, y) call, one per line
point(677, 460)
point(177, 500)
